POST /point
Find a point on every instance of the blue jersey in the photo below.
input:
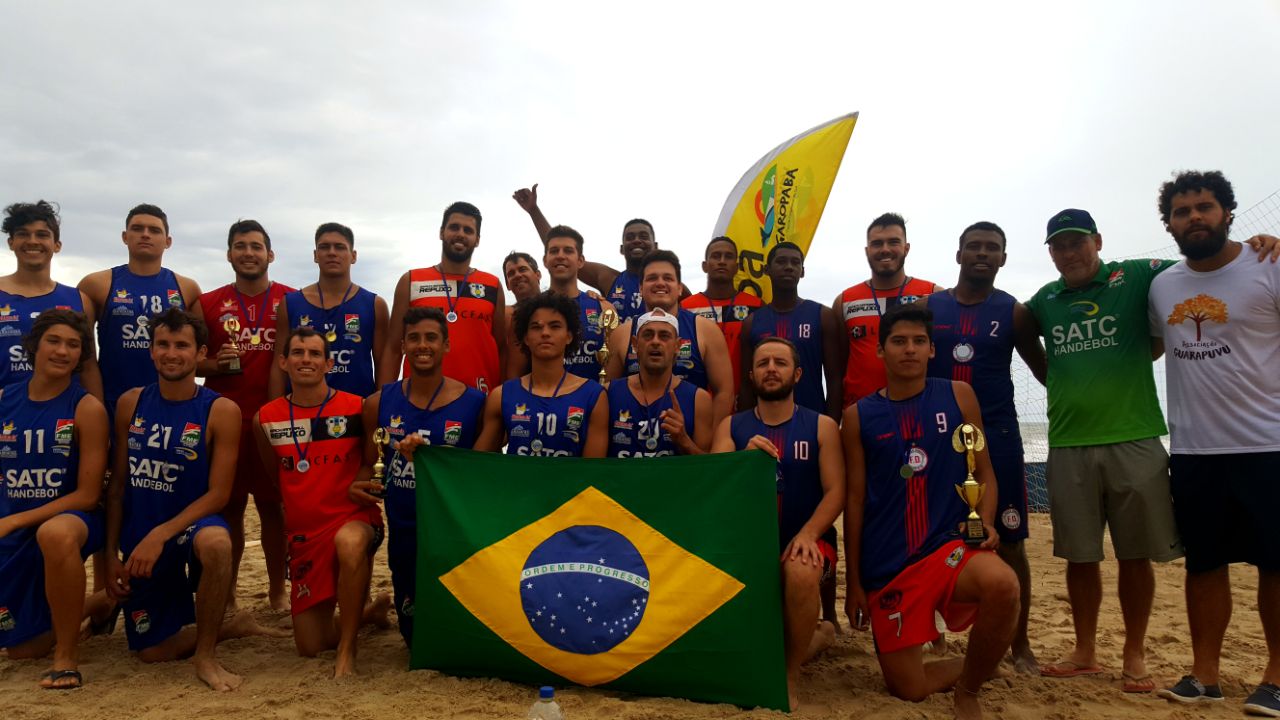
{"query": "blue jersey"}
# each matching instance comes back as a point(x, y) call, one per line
point(38, 454)
point(582, 361)
point(911, 507)
point(635, 430)
point(17, 313)
point(351, 350)
point(801, 325)
point(546, 426)
point(124, 340)
point(689, 365)
point(974, 343)
point(456, 424)
point(799, 474)
point(168, 460)
point(625, 296)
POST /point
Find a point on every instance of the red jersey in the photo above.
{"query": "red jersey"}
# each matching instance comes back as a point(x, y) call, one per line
point(861, 308)
point(329, 439)
point(473, 353)
point(728, 314)
point(257, 316)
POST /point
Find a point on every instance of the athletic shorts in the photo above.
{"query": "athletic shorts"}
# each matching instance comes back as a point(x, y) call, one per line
point(1226, 509)
point(161, 605)
point(902, 611)
point(1123, 487)
point(24, 608)
point(312, 562)
point(402, 558)
point(1011, 486)
point(251, 478)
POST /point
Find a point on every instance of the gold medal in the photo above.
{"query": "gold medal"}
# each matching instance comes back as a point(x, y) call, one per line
point(255, 338)
point(330, 335)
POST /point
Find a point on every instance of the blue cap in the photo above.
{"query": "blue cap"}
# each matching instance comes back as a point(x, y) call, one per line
point(1071, 220)
point(546, 692)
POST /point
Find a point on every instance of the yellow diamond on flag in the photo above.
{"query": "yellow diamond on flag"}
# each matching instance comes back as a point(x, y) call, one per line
point(589, 591)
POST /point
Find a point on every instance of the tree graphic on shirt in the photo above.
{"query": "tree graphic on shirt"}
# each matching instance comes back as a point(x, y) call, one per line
point(1198, 310)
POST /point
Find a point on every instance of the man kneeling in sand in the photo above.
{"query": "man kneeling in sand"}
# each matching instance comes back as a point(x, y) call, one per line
point(311, 442)
point(175, 455)
point(902, 553)
point(810, 491)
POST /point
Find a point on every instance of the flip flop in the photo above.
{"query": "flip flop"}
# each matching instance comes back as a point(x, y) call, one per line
point(55, 675)
point(1069, 669)
point(1135, 684)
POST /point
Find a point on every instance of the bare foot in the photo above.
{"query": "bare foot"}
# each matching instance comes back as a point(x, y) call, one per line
point(965, 704)
point(216, 676)
point(1025, 663)
point(344, 665)
point(243, 624)
point(280, 600)
point(793, 680)
point(377, 612)
point(823, 637)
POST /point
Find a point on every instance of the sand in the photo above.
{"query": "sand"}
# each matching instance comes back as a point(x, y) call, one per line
point(845, 682)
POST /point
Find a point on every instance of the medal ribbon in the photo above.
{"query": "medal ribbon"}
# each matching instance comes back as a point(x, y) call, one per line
point(293, 430)
point(451, 301)
point(329, 312)
point(256, 329)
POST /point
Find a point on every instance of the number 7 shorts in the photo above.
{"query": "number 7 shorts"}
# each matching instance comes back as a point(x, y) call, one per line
point(902, 611)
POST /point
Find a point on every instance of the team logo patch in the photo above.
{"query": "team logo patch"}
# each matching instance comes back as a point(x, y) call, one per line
point(304, 321)
point(740, 312)
point(190, 435)
point(10, 331)
point(64, 431)
point(6, 432)
point(686, 349)
point(7, 314)
point(139, 426)
point(1116, 279)
point(6, 619)
point(519, 431)
point(352, 323)
point(1011, 518)
point(953, 560)
point(228, 305)
point(618, 291)
point(890, 599)
point(917, 459)
point(452, 432)
point(141, 621)
point(593, 316)
point(122, 296)
point(175, 298)
point(858, 332)
point(564, 604)
point(396, 421)
point(187, 453)
point(522, 413)
point(621, 438)
point(624, 420)
point(337, 426)
point(962, 352)
point(1155, 264)
point(477, 289)
point(574, 419)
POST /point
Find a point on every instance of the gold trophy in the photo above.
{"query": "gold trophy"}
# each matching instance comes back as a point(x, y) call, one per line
point(232, 326)
point(381, 438)
point(607, 323)
point(968, 439)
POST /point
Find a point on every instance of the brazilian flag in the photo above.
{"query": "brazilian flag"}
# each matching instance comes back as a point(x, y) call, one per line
point(655, 576)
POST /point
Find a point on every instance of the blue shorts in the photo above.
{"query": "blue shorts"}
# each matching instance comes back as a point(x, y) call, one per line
point(24, 609)
point(161, 605)
point(1011, 484)
point(402, 559)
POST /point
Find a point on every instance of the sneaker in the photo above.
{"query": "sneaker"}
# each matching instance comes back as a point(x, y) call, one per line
point(1264, 701)
point(1191, 690)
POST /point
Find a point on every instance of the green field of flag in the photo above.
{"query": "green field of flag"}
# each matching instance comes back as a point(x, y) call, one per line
point(658, 577)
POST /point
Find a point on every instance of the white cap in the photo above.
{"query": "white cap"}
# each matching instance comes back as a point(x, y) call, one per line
point(657, 315)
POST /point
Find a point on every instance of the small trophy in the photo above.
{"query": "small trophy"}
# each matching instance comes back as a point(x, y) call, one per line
point(968, 439)
point(607, 323)
point(381, 438)
point(232, 326)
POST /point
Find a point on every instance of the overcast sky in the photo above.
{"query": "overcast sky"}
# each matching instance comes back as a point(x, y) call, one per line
point(378, 115)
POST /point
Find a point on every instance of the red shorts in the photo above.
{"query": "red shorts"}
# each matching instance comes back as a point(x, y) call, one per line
point(902, 611)
point(829, 558)
point(251, 478)
point(312, 562)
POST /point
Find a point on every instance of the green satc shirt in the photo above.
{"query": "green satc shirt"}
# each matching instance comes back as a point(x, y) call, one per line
point(1101, 387)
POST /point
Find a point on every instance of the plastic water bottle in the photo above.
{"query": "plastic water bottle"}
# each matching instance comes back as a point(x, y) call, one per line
point(546, 707)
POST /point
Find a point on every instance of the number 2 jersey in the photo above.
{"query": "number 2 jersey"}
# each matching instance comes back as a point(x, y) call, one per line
point(911, 506)
point(124, 340)
point(168, 454)
point(974, 344)
point(456, 424)
point(17, 313)
point(799, 476)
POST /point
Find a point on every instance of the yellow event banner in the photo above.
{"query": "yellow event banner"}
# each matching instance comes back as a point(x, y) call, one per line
point(781, 199)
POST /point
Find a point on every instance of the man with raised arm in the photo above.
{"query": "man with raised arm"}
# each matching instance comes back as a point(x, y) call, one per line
point(905, 560)
point(472, 302)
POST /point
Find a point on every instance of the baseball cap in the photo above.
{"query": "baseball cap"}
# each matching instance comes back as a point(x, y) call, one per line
point(1071, 220)
point(657, 315)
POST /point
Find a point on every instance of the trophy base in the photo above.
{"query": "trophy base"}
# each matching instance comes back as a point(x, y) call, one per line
point(233, 369)
point(974, 533)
